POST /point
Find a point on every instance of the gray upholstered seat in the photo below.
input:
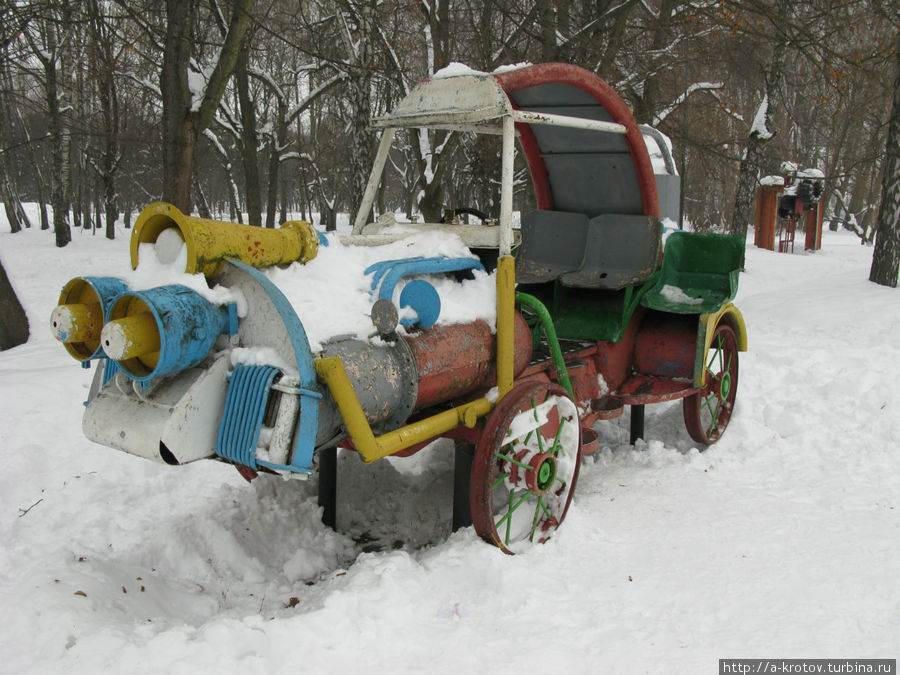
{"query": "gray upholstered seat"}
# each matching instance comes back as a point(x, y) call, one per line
point(610, 251)
point(552, 244)
point(619, 250)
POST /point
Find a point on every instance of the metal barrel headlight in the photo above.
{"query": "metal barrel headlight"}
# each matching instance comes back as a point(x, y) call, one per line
point(78, 318)
point(209, 242)
point(163, 330)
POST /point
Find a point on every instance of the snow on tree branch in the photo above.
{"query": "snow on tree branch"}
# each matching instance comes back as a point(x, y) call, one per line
point(697, 86)
point(759, 128)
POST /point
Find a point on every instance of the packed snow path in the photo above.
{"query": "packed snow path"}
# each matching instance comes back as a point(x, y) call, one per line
point(782, 540)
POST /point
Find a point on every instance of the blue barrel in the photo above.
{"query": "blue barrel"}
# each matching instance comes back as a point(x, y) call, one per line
point(187, 324)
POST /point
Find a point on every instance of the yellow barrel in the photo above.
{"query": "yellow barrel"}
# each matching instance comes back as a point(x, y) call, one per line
point(209, 242)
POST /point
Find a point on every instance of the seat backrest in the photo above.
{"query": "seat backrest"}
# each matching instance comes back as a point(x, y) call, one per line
point(619, 250)
point(552, 244)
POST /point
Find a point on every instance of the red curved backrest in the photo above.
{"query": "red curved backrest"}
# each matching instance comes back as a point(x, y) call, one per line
point(577, 170)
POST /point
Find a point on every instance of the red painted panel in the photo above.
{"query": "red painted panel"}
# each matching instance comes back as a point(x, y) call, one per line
point(666, 345)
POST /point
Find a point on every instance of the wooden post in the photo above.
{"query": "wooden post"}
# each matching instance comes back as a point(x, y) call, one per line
point(814, 227)
point(766, 215)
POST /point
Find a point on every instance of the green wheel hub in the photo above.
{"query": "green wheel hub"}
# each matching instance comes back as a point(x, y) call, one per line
point(725, 386)
point(542, 475)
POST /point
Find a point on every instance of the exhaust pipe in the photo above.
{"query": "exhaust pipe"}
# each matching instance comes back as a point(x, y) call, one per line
point(209, 242)
point(163, 330)
point(78, 318)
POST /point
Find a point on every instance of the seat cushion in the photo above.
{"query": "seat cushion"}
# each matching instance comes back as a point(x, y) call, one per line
point(619, 250)
point(552, 244)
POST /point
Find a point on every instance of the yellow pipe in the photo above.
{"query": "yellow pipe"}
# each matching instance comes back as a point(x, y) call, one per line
point(130, 337)
point(331, 371)
point(78, 322)
point(506, 311)
point(209, 242)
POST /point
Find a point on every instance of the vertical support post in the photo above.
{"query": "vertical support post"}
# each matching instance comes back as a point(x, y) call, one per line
point(506, 267)
point(328, 486)
point(814, 227)
point(637, 423)
point(462, 475)
point(507, 157)
point(368, 199)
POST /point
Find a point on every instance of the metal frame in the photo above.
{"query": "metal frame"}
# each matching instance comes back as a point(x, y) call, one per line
point(331, 370)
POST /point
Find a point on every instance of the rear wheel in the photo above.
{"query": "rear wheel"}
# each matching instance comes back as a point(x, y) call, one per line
point(707, 413)
point(526, 466)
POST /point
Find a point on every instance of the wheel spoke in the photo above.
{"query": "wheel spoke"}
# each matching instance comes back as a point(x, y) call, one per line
point(513, 460)
point(541, 506)
point(512, 509)
point(555, 447)
point(499, 481)
point(536, 519)
point(508, 519)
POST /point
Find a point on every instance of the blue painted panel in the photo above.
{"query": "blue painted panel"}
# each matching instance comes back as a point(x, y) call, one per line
point(425, 301)
point(305, 443)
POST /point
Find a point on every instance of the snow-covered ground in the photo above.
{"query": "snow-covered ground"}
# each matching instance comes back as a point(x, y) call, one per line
point(782, 540)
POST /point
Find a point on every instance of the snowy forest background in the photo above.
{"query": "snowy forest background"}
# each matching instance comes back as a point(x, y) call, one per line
point(251, 109)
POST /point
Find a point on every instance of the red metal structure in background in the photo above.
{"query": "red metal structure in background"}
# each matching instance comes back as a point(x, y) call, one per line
point(782, 203)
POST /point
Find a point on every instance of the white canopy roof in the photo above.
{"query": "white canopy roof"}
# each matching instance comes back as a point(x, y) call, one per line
point(459, 102)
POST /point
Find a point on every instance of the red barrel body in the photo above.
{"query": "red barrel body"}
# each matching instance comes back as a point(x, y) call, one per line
point(455, 360)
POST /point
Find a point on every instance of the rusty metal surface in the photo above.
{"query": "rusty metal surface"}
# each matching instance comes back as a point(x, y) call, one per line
point(606, 408)
point(640, 390)
point(384, 378)
point(614, 359)
point(583, 376)
point(455, 360)
point(666, 345)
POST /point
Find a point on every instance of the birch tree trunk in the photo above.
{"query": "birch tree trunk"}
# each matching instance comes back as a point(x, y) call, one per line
point(360, 56)
point(886, 257)
point(49, 57)
point(108, 94)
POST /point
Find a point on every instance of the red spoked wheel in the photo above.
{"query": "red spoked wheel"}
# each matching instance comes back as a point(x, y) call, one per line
point(707, 413)
point(526, 466)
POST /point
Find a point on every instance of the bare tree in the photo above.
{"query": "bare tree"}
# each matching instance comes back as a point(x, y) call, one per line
point(104, 50)
point(188, 107)
point(762, 128)
point(48, 37)
point(886, 258)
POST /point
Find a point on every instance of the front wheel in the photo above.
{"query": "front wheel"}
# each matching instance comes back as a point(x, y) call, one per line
point(707, 413)
point(526, 466)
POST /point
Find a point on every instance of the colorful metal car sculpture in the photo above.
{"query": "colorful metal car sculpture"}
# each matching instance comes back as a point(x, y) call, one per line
point(592, 316)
